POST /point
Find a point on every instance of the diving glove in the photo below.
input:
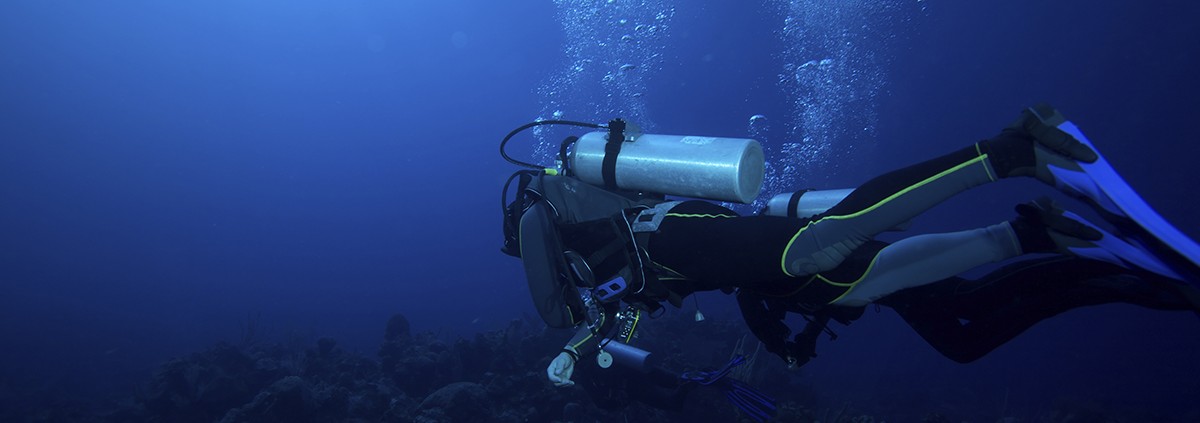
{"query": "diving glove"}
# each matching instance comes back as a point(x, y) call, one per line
point(798, 352)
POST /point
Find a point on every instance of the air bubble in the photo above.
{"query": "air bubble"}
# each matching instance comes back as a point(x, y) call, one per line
point(612, 47)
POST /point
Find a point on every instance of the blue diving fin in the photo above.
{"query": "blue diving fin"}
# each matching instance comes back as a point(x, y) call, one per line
point(1146, 238)
point(755, 404)
point(1120, 251)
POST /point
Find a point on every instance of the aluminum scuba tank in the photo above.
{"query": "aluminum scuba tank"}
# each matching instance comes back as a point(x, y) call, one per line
point(805, 204)
point(809, 203)
point(725, 169)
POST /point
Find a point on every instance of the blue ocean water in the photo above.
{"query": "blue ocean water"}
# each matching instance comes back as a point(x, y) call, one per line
point(173, 171)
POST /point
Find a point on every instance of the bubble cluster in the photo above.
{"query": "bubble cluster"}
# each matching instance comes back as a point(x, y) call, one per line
point(832, 69)
point(611, 47)
point(834, 66)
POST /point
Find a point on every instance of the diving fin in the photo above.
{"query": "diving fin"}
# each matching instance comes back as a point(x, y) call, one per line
point(1068, 233)
point(755, 404)
point(1099, 185)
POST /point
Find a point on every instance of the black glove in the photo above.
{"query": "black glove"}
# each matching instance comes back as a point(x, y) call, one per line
point(799, 351)
point(803, 346)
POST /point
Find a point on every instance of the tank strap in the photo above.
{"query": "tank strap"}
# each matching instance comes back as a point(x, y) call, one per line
point(608, 166)
point(649, 219)
point(795, 201)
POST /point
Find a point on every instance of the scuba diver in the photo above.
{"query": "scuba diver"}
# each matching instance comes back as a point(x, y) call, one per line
point(598, 235)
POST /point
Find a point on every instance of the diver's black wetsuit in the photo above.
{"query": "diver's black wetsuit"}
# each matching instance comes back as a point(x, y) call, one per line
point(701, 246)
point(966, 319)
point(831, 261)
point(712, 248)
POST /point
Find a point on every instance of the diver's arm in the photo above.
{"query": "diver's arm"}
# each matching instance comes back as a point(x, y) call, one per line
point(804, 346)
point(563, 366)
point(767, 325)
point(585, 342)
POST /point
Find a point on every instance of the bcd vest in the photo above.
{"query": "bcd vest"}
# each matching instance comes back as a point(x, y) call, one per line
point(573, 236)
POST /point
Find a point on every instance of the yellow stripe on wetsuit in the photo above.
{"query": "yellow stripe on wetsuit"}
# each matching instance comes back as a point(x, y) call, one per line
point(980, 159)
point(849, 286)
point(703, 215)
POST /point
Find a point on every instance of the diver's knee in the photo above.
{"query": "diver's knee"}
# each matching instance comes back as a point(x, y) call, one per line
point(822, 260)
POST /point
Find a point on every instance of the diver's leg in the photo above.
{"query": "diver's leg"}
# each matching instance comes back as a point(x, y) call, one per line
point(1040, 227)
point(1022, 149)
point(925, 259)
point(880, 204)
point(966, 319)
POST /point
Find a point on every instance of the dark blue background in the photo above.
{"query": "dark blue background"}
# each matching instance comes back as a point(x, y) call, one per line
point(169, 171)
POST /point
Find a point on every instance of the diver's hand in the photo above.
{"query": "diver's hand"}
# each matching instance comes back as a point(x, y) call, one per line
point(798, 353)
point(789, 360)
point(562, 367)
point(794, 362)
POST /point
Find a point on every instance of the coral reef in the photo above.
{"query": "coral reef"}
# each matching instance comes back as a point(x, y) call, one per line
point(495, 376)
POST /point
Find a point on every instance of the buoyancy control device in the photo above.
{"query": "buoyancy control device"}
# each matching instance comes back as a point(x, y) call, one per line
point(573, 225)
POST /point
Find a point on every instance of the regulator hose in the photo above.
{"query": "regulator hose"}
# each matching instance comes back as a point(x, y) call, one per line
point(533, 124)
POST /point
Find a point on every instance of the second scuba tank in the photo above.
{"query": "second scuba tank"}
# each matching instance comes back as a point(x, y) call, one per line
point(805, 204)
point(809, 203)
point(725, 169)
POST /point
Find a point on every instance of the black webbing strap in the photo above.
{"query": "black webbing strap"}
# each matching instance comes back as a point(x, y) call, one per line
point(795, 201)
point(608, 167)
point(613, 250)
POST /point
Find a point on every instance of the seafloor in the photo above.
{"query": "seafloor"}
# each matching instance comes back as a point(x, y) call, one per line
point(496, 376)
